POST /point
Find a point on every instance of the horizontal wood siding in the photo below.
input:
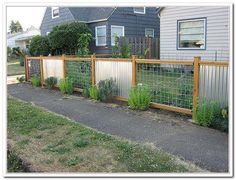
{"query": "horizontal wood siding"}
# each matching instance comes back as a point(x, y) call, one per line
point(48, 23)
point(217, 32)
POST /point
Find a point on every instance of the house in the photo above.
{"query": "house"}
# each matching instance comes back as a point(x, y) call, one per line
point(187, 31)
point(22, 39)
point(105, 23)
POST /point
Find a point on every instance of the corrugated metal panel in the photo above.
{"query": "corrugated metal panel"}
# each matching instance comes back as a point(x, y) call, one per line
point(121, 72)
point(53, 68)
point(214, 84)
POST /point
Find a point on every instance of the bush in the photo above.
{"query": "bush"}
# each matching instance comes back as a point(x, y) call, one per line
point(122, 50)
point(50, 82)
point(209, 114)
point(39, 45)
point(66, 86)
point(139, 97)
point(21, 79)
point(35, 80)
point(20, 54)
point(64, 38)
point(94, 92)
point(85, 93)
point(83, 44)
point(107, 88)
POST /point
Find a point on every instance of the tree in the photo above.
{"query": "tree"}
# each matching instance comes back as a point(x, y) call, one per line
point(15, 27)
point(39, 45)
point(64, 38)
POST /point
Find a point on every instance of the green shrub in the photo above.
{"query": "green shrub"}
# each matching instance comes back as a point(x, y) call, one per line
point(21, 79)
point(35, 80)
point(66, 86)
point(139, 97)
point(94, 92)
point(83, 44)
point(50, 82)
point(107, 88)
point(85, 93)
point(39, 45)
point(210, 114)
point(64, 37)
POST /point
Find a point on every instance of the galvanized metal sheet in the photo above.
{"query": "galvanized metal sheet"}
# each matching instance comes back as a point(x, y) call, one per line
point(53, 68)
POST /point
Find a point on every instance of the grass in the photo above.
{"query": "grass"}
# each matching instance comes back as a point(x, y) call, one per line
point(51, 143)
point(14, 68)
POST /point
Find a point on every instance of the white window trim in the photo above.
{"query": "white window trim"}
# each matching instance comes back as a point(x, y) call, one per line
point(123, 32)
point(97, 37)
point(178, 38)
point(48, 33)
point(137, 12)
point(53, 8)
point(148, 29)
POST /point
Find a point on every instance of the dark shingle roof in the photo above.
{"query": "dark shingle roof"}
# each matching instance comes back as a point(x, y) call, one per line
point(88, 14)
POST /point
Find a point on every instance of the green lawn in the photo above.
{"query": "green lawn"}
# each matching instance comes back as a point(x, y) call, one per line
point(51, 143)
point(14, 68)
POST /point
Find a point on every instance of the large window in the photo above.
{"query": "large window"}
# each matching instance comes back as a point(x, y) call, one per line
point(191, 34)
point(116, 31)
point(100, 32)
point(55, 12)
point(149, 32)
point(140, 10)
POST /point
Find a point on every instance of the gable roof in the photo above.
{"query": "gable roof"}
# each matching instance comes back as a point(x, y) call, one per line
point(90, 14)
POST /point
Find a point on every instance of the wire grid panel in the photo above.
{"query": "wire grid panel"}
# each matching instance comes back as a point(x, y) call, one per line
point(34, 67)
point(80, 72)
point(53, 68)
point(213, 84)
point(170, 84)
point(120, 72)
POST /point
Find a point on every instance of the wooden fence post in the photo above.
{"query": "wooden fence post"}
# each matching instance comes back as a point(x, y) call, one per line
point(64, 66)
point(41, 70)
point(26, 68)
point(196, 69)
point(133, 70)
point(93, 69)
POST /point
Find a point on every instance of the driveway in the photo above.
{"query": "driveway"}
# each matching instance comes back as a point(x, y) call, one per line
point(207, 148)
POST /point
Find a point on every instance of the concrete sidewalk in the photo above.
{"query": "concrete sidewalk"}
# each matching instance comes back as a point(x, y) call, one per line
point(207, 148)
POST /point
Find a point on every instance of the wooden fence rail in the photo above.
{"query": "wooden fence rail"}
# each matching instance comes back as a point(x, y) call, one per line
point(194, 66)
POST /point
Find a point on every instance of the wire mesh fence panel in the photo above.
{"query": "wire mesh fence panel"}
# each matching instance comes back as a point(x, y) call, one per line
point(169, 84)
point(34, 68)
point(80, 72)
point(213, 84)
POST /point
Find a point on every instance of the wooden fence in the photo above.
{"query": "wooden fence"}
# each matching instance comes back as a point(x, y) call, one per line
point(175, 84)
point(145, 46)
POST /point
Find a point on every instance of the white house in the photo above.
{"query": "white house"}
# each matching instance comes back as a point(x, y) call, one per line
point(22, 39)
point(188, 31)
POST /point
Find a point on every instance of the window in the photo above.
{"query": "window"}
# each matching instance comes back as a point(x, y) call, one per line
point(149, 32)
point(47, 33)
point(100, 32)
point(116, 31)
point(191, 34)
point(140, 10)
point(55, 12)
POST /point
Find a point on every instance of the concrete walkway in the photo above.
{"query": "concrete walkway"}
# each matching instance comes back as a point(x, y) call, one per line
point(205, 147)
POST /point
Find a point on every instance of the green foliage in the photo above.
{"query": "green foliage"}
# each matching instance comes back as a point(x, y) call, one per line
point(14, 164)
point(94, 92)
point(66, 86)
point(122, 50)
point(85, 93)
point(65, 37)
point(83, 44)
point(81, 143)
point(50, 82)
point(35, 80)
point(39, 45)
point(21, 79)
point(139, 97)
point(15, 27)
point(20, 54)
point(209, 113)
point(107, 88)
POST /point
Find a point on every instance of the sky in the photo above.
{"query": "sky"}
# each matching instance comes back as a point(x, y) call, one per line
point(27, 16)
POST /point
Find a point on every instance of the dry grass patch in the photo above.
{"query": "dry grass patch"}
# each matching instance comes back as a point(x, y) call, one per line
point(51, 143)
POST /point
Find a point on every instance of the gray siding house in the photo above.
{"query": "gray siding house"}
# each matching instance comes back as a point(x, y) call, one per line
point(187, 31)
point(105, 23)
